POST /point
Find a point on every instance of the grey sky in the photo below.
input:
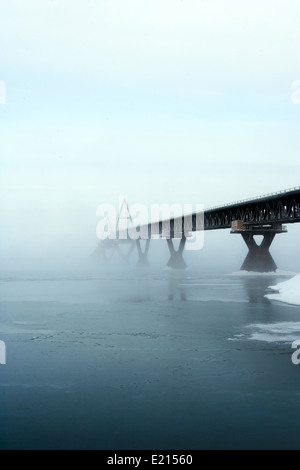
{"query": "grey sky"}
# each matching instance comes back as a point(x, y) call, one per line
point(163, 101)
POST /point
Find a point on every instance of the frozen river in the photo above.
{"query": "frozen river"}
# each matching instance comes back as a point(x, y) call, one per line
point(148, 359)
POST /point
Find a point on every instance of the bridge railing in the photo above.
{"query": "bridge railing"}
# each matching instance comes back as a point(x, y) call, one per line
point(283, 191)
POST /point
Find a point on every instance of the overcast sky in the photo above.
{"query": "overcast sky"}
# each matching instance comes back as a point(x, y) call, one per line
point(164, 101)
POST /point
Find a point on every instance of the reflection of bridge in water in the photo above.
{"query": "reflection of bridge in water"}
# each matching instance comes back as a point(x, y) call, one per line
point(263, 215)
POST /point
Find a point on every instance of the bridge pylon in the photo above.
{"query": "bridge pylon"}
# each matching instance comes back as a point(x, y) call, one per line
point(107, 246)
point(143, 260)
point(258, 259)
point(176, 260)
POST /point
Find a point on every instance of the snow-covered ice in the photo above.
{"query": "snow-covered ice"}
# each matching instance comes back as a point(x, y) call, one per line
point(287, 291)
point(274, 332)
point(278, 272)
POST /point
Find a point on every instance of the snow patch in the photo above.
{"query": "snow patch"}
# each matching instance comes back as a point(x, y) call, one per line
point(280, 332)
point(287, 291)
point(278, 272)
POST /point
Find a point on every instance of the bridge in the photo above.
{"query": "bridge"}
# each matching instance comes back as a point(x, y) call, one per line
point(262, 215)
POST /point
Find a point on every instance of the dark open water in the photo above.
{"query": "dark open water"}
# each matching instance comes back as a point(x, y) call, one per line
point(148, 360)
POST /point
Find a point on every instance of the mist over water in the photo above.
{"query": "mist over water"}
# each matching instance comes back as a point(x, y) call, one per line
point(112, 356)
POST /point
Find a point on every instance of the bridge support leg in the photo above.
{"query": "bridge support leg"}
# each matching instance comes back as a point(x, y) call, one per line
point(176, 260)
point(259, 258)
point(143, 260)
point(105, 250)
point(124, 257)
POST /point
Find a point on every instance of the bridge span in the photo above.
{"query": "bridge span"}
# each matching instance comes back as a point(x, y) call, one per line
point(262, 215)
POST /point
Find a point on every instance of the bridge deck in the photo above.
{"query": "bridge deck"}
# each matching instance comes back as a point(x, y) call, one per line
point(271, 209)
